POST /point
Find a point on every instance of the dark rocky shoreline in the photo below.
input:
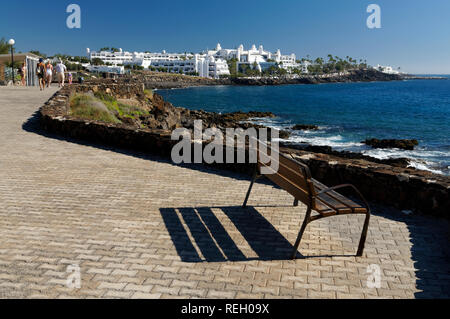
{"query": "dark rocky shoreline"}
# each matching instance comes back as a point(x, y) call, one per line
point(154, 80)
point(395, 162)
point(345, 77)
point(392, 143)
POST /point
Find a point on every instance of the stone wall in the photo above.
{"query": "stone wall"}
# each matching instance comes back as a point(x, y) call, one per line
point(118, 89)
point(419, 191)
point(403, 188)
point(2, 74)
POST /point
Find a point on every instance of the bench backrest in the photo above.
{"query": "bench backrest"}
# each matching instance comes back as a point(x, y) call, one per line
point(293, 176)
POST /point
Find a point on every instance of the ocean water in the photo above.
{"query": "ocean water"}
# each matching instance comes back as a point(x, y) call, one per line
point(346, 113)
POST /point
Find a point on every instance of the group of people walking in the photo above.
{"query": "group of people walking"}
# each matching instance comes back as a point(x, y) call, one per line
point(45, 72)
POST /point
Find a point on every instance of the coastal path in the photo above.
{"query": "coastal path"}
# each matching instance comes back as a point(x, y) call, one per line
point(86, 221)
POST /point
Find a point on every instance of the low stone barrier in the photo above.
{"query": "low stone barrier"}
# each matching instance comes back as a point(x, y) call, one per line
point(408, 189)
point(117, 90)
point(2, 74)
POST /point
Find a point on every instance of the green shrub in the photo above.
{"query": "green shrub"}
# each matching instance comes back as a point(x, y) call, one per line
point(105, 97)
point(103, 107)
point(121, 109)
point(148, 94)
point(87, 107)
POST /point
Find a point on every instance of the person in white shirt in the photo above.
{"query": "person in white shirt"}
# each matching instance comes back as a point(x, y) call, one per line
point(48, 73)
point(60, 69)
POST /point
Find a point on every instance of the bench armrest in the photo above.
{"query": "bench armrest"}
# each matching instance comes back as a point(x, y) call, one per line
point(327, 190)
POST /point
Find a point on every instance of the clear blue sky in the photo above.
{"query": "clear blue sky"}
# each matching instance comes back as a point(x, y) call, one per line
point(415, 34)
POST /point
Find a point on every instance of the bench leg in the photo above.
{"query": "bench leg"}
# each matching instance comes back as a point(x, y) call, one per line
point(255, 175)
point(302, 230)
point(362, 241)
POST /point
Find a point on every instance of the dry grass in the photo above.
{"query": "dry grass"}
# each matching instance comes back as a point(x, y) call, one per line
point(104, 108)
point(88, 107)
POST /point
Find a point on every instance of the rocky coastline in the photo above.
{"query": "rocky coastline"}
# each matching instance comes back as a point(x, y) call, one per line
point(367, 75)
point(154, 80)
point(328, 150)
point(392, 143)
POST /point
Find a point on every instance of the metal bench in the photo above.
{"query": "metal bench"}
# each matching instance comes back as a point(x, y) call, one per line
point(295, 178)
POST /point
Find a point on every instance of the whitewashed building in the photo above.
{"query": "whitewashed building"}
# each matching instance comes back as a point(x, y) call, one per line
point(206, 66)
point(210, 63)
point(387, 69)
point(262, 58)
point(304, 66)
point(106, 69)
point(211, 67)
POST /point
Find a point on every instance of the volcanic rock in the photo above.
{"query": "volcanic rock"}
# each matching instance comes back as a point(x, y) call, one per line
point(284, 134)
point(304, 127)
point(392, 143)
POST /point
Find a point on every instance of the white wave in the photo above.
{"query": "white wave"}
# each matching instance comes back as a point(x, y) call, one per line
point(424, 167)
point(385, 153)
point(266, 121)
point(335, 141)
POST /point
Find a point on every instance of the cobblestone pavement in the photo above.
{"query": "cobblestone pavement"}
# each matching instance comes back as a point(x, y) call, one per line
point(139, 227)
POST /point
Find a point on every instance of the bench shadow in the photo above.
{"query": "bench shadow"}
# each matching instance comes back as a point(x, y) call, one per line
point(213, 241)
point(215, 244)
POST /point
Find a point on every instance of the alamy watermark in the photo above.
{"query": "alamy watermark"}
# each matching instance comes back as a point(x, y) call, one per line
point(235, 141)
point(374, 279)
point(73, 21)
point(374, 20)
point(74, 278)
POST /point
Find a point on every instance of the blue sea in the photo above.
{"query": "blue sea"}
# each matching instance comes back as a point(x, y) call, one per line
point(347, 113)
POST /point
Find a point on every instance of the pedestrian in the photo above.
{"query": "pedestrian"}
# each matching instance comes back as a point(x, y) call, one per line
point(40, 71)
point(23, 73)
point(70, 78)
point(49, 73)
point(60, 70)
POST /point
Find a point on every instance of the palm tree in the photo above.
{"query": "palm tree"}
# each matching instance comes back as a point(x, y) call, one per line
point(4, 46)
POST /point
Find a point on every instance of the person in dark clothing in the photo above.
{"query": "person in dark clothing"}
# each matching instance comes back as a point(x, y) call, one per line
point(40, 71)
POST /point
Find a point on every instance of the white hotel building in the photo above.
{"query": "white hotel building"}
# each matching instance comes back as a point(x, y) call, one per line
point(262, 58)
point(211, 63)
point(387, 69)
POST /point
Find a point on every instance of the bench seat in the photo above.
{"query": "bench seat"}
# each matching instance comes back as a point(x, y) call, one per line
point(295, 178)
point(334, 203)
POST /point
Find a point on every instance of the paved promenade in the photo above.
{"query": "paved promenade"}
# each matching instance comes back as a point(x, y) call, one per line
point(137, 226)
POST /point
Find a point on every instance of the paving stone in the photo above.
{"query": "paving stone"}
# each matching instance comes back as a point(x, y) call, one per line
point(140, 295)
point(109, 285)
point(139, 226)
